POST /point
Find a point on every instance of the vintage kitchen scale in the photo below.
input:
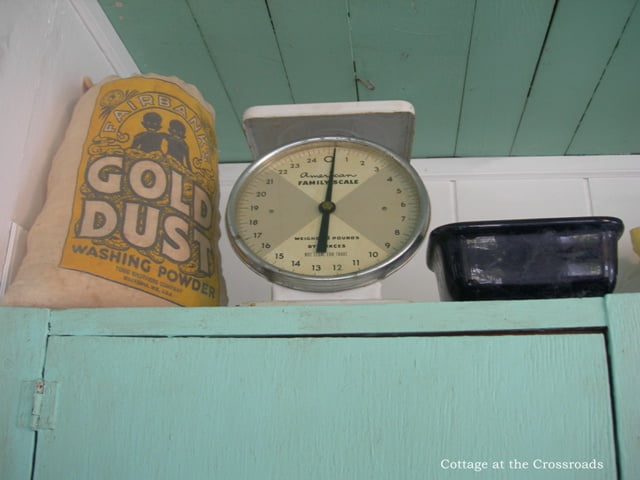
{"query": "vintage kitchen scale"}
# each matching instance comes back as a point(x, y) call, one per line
point(331, 204)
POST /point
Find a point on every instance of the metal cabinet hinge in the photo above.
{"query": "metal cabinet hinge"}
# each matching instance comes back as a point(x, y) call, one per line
point(38, 405)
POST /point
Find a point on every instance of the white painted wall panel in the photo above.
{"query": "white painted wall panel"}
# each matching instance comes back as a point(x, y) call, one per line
point(242, 284)
point(20, 62)
point(46, 48)
point(490, 199)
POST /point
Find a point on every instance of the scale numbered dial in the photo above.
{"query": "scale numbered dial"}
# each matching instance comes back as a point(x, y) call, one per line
point(327, 214)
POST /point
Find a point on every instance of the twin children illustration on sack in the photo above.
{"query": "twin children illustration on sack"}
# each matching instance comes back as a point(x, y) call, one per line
point(171, 143)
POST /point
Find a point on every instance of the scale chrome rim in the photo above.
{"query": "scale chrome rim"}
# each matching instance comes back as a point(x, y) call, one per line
point(331, 283)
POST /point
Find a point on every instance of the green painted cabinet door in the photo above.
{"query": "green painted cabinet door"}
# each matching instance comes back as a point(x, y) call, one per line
point(23, 338)
point(411, 406)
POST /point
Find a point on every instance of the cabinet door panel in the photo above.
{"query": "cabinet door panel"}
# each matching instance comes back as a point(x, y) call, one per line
point(325, 407)
point(23, 339)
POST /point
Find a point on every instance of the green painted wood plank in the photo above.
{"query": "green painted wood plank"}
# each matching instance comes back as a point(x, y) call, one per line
point(242, 43)
point(435, 317)
point(315, 43)
point(623, 312)
point(611, 123)
point(582, 36)
point(23, 336)
point(505, 47)
point(326, 408)
point(160, 35)
point(415, 51)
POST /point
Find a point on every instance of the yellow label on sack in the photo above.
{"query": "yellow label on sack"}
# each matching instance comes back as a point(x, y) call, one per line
point(145, 206)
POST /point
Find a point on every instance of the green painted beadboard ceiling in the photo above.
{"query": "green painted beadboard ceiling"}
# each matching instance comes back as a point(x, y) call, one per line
point(486, 77)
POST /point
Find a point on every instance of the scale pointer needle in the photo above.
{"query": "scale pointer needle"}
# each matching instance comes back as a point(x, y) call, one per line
point(327, 207)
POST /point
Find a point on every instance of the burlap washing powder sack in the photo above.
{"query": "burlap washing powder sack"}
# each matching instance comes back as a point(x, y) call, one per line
point(131, 215)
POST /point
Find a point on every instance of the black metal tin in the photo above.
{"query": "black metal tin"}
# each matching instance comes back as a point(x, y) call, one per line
point(519, 259)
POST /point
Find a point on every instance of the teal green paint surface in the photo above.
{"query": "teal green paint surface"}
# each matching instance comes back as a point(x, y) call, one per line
point(244, 49)
point(624, 338)
point(505, 45)
point(415, 51)
point(324, 408)
point(343, 391)
point(390, 318)
point(580, 42)
point(613, 115)
point(163, 37)
point(315, 44)
point(486, 77)
point(23, 334)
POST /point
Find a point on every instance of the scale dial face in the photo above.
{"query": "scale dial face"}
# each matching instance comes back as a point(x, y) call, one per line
point(327, 214)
